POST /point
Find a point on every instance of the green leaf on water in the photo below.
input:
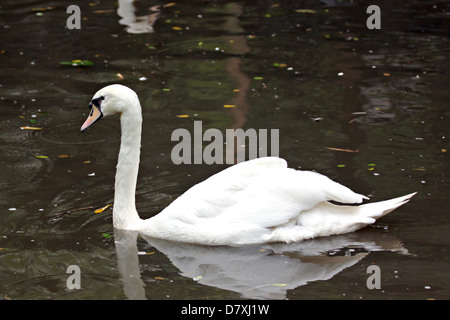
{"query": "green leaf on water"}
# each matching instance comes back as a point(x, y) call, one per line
point(106, 235)
point(41, 157)
point(258, 78)
point(341, 165)
point(279, 284)
point(77, 63)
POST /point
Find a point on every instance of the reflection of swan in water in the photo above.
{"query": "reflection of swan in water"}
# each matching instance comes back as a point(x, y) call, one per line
point(134, 23)
point(264, 271)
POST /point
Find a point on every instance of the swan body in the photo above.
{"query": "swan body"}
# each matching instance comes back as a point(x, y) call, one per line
point(257, 201)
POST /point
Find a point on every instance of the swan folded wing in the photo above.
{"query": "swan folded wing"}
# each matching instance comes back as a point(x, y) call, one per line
point(220, 191)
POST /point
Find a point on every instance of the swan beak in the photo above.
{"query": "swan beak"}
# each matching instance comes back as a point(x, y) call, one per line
point(94, 115)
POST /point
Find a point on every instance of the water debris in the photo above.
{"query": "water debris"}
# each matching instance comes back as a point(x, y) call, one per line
point(100, 210)
point(279, 284)
point(106, 235)
point(341, 165)
point(74, 210)
point(77, 63)
point(305, 11)
point(31, 128)
point(170, 4)
point(177, 28)
point(280, 65)
point(229, 106)
point(120, 76)
point(41, 157)
point(64, 156)
point(144, 253)
point(386, 74)
point(182, 116)
point(258, 78)
point(343, 150)
point(41, 9)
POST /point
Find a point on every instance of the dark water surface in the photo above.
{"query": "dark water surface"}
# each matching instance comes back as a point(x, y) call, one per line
point(312, 70)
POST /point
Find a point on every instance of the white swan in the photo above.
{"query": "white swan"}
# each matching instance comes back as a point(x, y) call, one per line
point(256, 201)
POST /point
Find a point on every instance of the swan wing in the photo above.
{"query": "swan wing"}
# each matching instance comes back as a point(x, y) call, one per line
point(244, 203)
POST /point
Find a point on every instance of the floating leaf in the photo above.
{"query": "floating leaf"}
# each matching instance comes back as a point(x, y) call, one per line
point(371, 164)
point(197, 278)
point(103, 209)
point(386, 74)
point(158, 278)
point(77, 63)
point(341, 165)
point(166, 89)
point(343, 150)
point(43, 9)
point(177, 28)
point(258, 78)
point(30, 128)
point(64, 156)
point(170, 4)
point(305, 11)
point(229, 106)
point(106, 235)
point(279, 284)
point(182, 116)
point(41, 157)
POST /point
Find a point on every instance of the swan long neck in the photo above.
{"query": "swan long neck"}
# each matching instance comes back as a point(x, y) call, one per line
point(124, 212)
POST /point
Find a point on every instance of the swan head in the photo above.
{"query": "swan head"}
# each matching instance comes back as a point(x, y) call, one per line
point(112, 99)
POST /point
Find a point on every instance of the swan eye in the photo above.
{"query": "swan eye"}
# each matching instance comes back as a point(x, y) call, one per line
point(96, 102)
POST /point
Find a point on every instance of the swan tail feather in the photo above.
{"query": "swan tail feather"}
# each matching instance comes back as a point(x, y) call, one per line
point(379, 209)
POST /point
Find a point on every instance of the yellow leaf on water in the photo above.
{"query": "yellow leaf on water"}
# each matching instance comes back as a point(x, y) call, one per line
point(229, 106)
point(305, 11)
point(158, 278)
point(170, 4)
point(103, 209)
point(177, 28)
point(64, 156)
point(30, 128)
point(182, 116)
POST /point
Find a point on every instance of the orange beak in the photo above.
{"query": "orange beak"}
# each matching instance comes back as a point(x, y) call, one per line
point(94, 115)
